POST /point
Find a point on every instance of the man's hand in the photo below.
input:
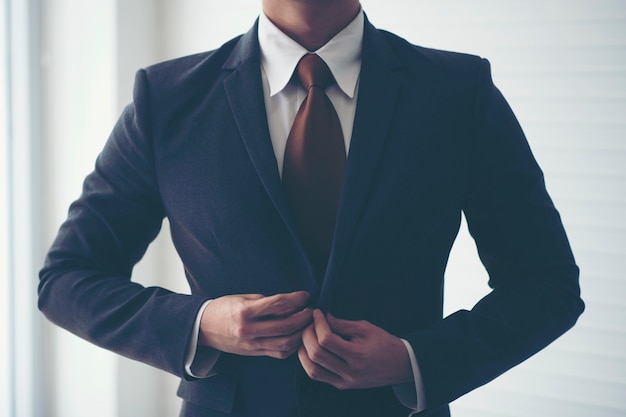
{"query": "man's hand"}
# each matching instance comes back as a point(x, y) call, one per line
point(353, 354)
point(256, 325)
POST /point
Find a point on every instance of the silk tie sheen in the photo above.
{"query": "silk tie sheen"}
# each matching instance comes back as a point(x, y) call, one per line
point(315, 157)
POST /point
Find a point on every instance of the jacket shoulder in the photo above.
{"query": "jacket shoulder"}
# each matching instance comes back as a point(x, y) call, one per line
point(440, 64)
point(188, 71)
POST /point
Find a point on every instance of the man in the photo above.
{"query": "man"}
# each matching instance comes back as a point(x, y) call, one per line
point(274, 326)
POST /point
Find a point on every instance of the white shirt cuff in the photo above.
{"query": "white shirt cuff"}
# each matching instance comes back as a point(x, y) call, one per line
point(411, 394)
point(199, 363)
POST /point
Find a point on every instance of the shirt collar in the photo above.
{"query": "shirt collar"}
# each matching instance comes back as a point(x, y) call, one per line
point(280, 55)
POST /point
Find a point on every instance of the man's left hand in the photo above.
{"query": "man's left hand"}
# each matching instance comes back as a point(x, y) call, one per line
point(353, 354)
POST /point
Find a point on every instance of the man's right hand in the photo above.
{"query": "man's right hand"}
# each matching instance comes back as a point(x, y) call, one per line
point(256, 325)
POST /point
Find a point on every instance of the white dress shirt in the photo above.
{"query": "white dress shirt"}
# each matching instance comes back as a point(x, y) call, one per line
point(279, 57)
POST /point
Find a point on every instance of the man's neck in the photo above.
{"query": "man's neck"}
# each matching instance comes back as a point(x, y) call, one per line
point(311, 23)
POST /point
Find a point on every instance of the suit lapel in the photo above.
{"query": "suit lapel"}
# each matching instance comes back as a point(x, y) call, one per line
point(378, 93)
point(244, 90)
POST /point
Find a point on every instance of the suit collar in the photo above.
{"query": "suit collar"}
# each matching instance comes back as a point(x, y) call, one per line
point(246, 49)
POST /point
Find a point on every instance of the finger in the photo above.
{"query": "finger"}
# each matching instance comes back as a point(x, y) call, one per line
point(275, 327)
point(328, 340)
point(279, 355)
point(315, 371)
point(345, 328)
point(279, 304)
point(251, 296)
point(269, 352)
point(277, 347)
point(318, 354)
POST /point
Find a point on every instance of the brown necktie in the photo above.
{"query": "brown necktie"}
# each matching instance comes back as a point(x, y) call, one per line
point(315, 157)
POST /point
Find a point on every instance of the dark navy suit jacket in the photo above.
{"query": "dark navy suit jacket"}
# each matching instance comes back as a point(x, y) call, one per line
point(432, 138)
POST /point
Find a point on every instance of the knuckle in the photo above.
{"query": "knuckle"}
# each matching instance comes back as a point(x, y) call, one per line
point(280, 354)
point(324, 340)
point(286, 353)
point(241, 331)
point(315, 353)
point(314, 373)
point(288, 345)
point(348, 381)
point(341, 385)
point(245, 313)
point(250, 344)
point(246, 347)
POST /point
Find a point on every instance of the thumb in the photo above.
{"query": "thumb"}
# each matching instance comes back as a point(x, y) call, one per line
point(345, 328)
point(251, 297)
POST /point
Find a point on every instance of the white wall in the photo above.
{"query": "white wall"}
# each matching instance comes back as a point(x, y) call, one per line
point(561, 64)
point(79, 84)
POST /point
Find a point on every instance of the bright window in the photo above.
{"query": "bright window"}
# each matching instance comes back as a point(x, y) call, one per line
point(5, 287)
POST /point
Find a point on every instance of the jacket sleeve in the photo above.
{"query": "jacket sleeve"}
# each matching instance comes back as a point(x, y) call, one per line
point(85, 284)
point(535, 293)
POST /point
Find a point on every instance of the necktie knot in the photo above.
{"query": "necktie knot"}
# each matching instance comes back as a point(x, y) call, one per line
point(313, 71)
